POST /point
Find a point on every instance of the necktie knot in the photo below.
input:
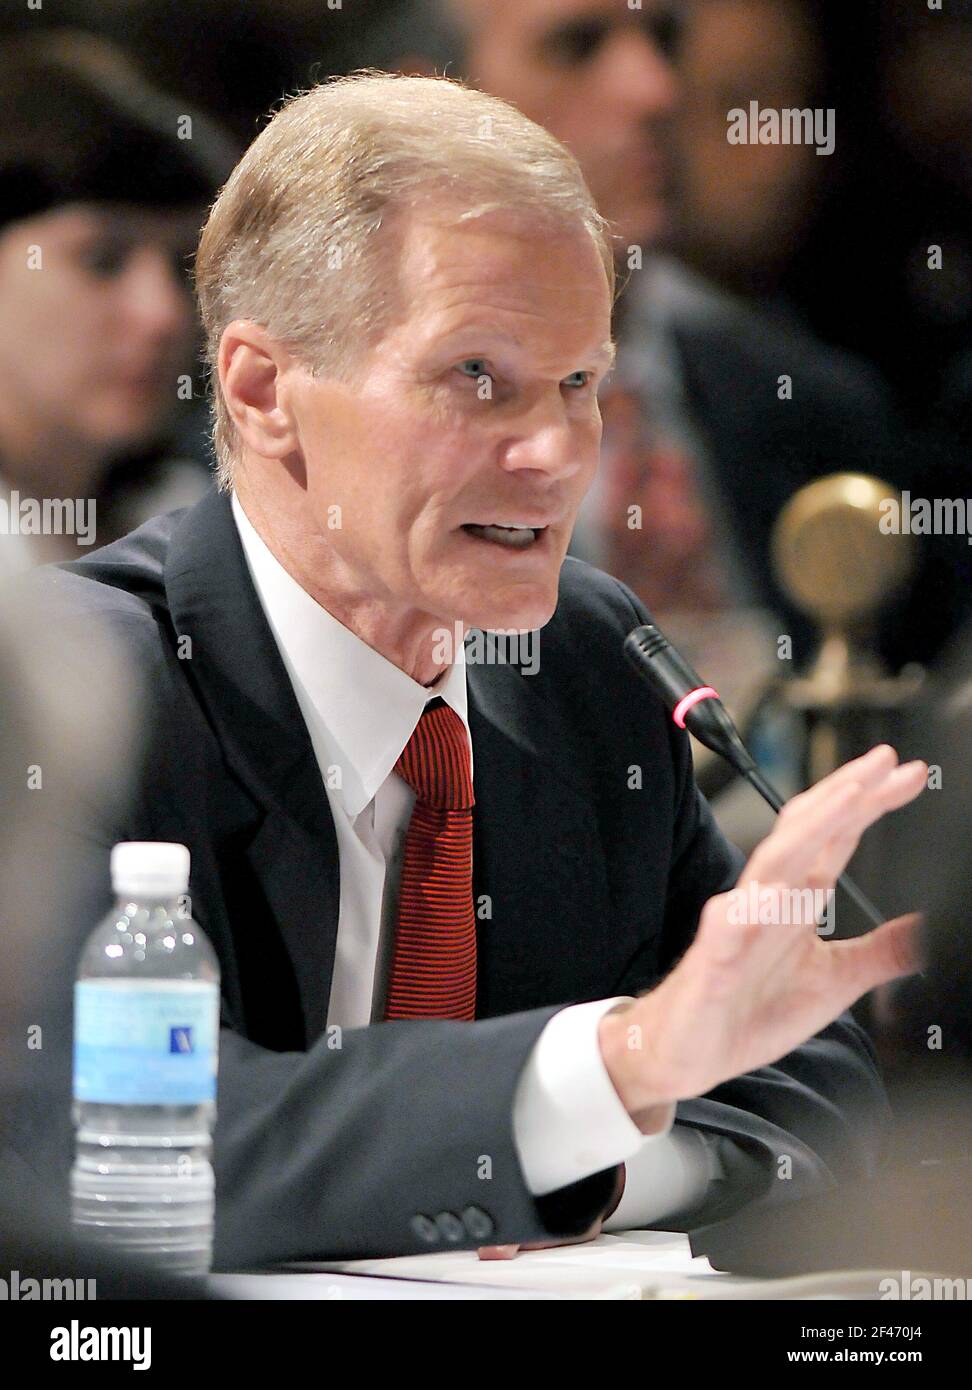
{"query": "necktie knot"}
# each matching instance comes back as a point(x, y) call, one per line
point(435, 763)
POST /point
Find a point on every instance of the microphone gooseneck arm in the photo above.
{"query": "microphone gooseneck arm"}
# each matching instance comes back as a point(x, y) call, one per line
point(695, 706)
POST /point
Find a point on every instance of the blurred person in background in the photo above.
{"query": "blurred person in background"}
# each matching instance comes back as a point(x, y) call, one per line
point(233, 59)
point(887, 273)
point(868, 284)
point(101, 199)
point(744, 210)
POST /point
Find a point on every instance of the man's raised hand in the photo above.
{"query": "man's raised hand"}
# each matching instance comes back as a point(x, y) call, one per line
point(747, 992)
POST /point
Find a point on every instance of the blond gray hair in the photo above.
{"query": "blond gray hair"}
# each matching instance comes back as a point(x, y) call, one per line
point(292, 242)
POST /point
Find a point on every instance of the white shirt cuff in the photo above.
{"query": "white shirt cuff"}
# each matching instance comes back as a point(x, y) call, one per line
point(568, 1120)
point(664, 1179)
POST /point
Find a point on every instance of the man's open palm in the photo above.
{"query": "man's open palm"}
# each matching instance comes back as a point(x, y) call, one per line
point(747, 991)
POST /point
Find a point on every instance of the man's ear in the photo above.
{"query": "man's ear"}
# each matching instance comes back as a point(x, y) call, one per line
point(251, 369)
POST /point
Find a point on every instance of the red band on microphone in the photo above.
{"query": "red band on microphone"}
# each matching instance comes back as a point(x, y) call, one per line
point(704, 692)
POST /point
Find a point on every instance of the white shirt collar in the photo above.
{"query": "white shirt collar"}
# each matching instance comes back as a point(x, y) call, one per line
point(361, 709)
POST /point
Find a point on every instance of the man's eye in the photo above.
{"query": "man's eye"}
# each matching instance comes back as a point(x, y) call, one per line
point(106, 259)
point(474, 368)
point(576, 43)
point(666, 29)
point(575, 384)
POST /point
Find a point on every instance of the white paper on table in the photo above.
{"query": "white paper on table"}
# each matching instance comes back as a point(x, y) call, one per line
point(622, 1265)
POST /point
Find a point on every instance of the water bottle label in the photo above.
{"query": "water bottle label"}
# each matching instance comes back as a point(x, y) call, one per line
point(151, 1042)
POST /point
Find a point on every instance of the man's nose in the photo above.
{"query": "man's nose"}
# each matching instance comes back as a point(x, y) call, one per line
point(638, 75)
point(549, 442)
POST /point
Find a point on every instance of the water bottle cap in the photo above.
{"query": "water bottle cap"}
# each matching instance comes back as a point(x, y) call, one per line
point(151, 867)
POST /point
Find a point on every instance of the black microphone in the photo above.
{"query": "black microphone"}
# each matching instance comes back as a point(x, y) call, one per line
point(697, 707)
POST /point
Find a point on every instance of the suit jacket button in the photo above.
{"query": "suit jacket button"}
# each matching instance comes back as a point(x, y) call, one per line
point(479, 1223)
point(451, 1227)
point(425, 1228)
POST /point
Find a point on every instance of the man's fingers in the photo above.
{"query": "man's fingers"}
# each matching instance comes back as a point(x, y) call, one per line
point(895, 787)
point(795, 842)
point(902, 785)
point(887, 953)
point(869, 768)
point(509, 1252)
point(821, 835)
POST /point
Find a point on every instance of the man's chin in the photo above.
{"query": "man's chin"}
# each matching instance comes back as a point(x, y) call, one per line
point(522, 599)
point(124, 425)
point(511, 611)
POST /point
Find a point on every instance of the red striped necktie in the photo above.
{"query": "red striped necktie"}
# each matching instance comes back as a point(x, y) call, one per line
point(433, 971)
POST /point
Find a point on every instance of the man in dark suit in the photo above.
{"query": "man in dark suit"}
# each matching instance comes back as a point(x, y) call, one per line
point(437, 877)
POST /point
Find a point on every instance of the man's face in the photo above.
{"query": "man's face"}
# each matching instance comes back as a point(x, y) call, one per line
point(596, 74)
point(96, 330)
point(745, 203)
point(478, 409)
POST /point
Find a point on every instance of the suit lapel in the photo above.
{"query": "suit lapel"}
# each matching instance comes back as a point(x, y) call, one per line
point(539, 868)
point(248, 698)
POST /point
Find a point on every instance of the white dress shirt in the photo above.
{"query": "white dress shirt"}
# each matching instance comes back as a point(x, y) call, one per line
point(360, 711)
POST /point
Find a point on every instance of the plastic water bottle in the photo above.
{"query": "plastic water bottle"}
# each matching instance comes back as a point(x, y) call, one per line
point(146, 1033)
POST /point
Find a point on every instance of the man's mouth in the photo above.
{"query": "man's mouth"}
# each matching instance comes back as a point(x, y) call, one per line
point(512, 537)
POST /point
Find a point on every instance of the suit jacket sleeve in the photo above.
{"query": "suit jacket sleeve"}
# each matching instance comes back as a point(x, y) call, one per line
point(817, 1116)
point(392, 1143)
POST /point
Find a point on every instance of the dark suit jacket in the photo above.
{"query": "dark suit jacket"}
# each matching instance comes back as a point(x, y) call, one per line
point(595, 889)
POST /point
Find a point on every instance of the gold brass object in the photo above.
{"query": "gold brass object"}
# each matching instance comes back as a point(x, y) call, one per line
point(830, 553)
point(839, 567)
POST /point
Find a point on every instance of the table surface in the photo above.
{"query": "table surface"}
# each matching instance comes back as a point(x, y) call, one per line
point(624, 1265)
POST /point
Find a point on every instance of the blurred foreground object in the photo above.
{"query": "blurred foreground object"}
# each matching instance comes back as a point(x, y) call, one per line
point(67, 736)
